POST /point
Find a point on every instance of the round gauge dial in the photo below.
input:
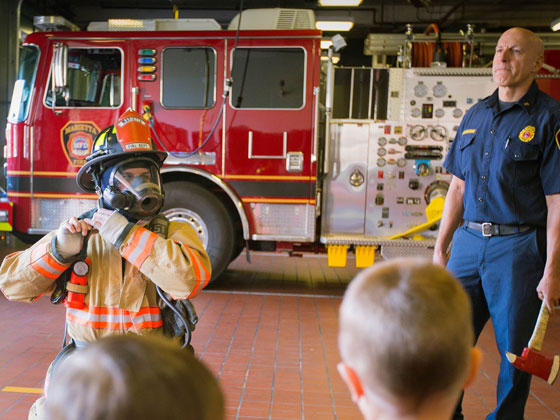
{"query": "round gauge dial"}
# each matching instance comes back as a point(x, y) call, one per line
point(381, 162)
point(438, 132)
point(439, 90)
point(402, 141)
point(401, 162)
point(457, 112)
point(417, 132)
point(381, 151)
point(415, 112)
point(81, 268)
point(420, 90)
point(382, 141)
point(423, 169)
point(439, 112)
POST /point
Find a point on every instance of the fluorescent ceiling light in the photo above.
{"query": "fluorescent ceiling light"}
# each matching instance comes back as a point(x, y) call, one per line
point(555, 24)
point(340, 2)
point(334, 25)
point(325, 44)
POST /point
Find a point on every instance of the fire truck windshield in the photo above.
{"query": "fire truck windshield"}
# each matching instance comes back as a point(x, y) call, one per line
point(29, 58)
point(93, 79)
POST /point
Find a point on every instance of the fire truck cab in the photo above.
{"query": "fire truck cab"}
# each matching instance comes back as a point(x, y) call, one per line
point(241, 165)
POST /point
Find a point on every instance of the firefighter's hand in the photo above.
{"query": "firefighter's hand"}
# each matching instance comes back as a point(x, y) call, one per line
point(99, 218)
point(439, 258)
point(70, 237)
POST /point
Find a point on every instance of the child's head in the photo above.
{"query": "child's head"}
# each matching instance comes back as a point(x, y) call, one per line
point(406, 335)
point(134, 377)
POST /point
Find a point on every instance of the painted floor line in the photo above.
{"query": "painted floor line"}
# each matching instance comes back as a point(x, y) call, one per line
point(22, 390)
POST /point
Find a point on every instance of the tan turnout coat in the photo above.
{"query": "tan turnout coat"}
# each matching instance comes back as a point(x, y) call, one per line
point(121, 296)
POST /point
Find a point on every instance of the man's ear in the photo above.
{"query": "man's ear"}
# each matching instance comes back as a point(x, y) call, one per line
point(474, 366)
point(538, 63)
point(352, 380)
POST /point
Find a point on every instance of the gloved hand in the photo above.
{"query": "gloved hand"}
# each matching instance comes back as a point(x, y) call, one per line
point(101, 216)
point(70, 237)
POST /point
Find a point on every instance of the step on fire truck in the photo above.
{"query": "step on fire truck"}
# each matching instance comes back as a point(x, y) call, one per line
point(269, 147)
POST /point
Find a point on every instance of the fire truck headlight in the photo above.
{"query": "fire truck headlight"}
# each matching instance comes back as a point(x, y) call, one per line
point(4, 216)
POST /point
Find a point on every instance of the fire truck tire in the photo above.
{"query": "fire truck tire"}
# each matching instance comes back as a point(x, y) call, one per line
point(189, 202)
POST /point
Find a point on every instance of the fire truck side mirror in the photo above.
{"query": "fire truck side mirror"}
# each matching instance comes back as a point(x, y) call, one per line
point(60, 65)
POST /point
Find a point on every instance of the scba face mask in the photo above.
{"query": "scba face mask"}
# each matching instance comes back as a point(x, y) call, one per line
point(133, 186)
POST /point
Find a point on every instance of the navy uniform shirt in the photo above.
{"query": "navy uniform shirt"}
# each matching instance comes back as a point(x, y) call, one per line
point(509, 160)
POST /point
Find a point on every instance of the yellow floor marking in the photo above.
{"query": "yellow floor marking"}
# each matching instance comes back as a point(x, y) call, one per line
point(22, 390)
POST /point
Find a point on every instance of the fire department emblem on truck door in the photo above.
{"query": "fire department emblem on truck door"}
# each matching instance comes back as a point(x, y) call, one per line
point(77, 140)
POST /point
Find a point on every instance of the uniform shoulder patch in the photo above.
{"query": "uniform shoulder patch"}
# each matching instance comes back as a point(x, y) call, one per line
point(527, 134)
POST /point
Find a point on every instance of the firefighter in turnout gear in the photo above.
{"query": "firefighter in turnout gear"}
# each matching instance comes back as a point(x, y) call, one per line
point(117, 255)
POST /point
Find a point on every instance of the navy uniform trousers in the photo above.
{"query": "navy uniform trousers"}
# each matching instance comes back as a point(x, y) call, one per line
point(501, 274)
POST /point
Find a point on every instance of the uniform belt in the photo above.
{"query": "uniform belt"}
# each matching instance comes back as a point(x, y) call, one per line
point(492, 229)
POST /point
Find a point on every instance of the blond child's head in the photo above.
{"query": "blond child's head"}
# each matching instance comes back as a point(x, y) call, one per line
point(134, 377)
point(406, 336)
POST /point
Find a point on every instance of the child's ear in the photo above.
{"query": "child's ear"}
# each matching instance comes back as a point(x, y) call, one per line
point(352, 380)
point(474, 366)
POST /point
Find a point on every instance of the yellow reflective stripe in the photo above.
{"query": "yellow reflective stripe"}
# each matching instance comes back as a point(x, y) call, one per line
point(100, 140)
point(468, 131)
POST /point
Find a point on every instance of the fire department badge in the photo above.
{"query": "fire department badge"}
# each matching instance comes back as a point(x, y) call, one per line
point(77, 140)
point(527, 134)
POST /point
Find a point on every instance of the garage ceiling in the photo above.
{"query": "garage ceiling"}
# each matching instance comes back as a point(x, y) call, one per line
point(372, 16)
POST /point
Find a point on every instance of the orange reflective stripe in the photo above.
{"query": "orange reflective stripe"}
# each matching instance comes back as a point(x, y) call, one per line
point(149, 324)
point(115, 318)
point(140, 246)
point(196, 273)
point(200, 271)
point(98, 310)
point(100, 325)
point(44, 263)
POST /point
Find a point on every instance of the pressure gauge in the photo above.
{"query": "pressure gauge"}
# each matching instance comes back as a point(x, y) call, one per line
point(457, 113)
point(439, 113)
point(381, 162)
point(381, 151)
point(417, 132)
point(439, 90)
point(382, 141)
point(415, 112)
point(80, 268)
point(422, 168)
point(402, 141)
point(401, 162)
point(420, 89)
point(438, 132)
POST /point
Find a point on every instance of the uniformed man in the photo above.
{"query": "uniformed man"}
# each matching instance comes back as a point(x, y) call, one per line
point(117, 257)
point(505, 162)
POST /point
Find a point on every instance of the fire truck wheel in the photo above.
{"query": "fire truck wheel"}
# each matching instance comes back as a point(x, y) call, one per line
point(195, 205)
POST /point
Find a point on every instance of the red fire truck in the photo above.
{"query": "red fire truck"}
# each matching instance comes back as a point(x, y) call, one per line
point(264, 152)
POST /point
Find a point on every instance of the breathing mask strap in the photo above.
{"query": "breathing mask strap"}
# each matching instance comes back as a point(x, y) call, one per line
point(97, 182)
